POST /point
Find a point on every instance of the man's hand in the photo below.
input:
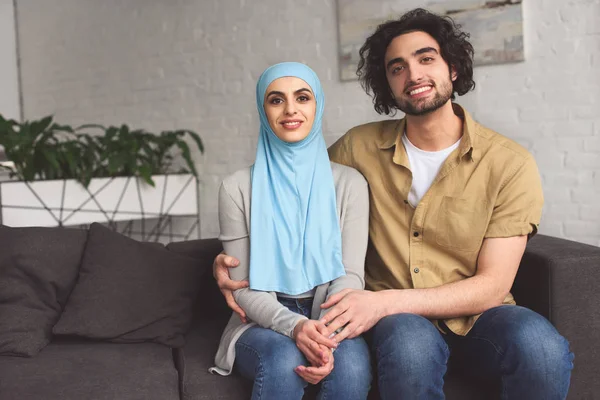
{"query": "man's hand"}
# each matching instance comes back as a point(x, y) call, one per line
point(312, 343)
point(314, 374)
point(354, 310)
point(221, 267)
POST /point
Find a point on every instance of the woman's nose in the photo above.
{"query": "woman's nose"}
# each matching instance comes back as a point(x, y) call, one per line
point(290, 108)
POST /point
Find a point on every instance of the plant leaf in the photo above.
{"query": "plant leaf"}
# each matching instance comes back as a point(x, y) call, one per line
point(185, 153)
point(40, 126)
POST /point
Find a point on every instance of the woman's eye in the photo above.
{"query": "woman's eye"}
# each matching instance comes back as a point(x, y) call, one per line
point(276, 100)
point(303, 98)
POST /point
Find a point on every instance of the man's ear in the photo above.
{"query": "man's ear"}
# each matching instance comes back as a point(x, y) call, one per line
point(453, 74)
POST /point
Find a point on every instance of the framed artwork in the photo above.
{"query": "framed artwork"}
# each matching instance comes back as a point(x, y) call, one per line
point(496, 27)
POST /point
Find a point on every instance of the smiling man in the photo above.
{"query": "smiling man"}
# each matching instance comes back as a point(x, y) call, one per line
point(452, 205)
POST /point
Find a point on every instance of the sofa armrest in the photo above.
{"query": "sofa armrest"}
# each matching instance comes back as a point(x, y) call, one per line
point(560, 279)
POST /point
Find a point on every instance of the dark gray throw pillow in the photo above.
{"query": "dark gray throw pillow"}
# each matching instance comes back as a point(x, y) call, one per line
point(130, 292)
point(38, 269)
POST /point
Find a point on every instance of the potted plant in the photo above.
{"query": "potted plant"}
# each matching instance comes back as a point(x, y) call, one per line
point(92, 173)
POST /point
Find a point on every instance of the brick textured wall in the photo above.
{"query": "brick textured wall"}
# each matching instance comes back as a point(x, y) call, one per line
point(194, 64)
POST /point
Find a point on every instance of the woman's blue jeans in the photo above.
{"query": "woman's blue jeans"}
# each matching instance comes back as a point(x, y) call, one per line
point(269, 358)
point(512, 344)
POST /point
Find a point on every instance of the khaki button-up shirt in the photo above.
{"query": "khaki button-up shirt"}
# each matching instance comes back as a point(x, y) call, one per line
point(488, 187)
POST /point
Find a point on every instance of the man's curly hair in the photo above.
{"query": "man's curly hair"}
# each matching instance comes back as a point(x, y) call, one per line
point(454, 46)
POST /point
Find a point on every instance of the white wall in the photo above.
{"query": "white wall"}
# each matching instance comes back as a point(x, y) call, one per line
point(194, 64)
point(9, 80)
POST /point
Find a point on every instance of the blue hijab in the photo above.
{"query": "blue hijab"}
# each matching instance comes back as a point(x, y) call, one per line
point(295, 238)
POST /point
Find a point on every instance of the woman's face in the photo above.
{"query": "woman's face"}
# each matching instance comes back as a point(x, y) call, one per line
point(290, 106)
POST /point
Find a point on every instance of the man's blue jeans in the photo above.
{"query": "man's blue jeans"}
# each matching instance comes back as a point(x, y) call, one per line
point(269, 358)
point(510, 343)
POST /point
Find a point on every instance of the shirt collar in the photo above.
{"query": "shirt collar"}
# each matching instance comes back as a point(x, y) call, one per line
point(392, 136)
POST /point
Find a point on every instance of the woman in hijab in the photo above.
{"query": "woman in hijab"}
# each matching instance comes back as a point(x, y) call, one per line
point(299, 226)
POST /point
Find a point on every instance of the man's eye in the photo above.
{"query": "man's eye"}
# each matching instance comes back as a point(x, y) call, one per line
point(397, 69)
point(427, 59)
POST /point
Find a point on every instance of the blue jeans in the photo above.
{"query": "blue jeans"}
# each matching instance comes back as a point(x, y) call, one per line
point(269, 358)
point(512, 344)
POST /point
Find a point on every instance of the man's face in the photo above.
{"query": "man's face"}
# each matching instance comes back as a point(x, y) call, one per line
point(420, 79)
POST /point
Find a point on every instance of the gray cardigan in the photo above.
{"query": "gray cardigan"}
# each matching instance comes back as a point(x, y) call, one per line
point(262, 308)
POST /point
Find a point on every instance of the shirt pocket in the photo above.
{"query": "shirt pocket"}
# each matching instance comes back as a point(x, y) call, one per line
point(461, 223)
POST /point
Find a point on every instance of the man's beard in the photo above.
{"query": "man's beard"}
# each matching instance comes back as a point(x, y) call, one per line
point(423, 107)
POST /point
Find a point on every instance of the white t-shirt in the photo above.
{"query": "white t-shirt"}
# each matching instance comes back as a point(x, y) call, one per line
point(424, 166)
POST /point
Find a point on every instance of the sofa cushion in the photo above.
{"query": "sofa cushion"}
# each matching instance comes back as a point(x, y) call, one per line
point(130, 292)
point(75, 370)
point(198, 356)
point(38, 269)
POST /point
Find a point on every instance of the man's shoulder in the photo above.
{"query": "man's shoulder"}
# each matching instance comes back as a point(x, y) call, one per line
point(498, 145)
point(372, 132)
point(360, 143)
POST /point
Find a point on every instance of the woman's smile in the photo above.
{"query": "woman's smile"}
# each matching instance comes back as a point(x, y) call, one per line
point(292, 124)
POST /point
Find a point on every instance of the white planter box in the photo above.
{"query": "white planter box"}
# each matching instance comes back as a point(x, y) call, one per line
point(67, 202)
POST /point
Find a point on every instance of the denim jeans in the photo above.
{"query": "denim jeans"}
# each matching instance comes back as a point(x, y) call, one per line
point(508, 343)
point(269, 358)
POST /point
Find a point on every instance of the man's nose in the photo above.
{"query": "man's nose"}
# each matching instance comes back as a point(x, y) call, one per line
point(415, 73)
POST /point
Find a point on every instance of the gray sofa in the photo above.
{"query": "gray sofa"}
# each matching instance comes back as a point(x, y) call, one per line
point(559, 279)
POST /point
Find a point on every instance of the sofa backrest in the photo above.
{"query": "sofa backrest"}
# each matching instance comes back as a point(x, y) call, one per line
point(210, 303)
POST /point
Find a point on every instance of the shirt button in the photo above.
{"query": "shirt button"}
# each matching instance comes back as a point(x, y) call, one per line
point(416, 270)
point(416, 234)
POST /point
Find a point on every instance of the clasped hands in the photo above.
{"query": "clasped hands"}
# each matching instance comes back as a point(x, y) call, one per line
point(352, 313)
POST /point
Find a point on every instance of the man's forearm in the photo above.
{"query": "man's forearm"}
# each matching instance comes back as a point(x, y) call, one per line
point(497, 266)
point(467, 297)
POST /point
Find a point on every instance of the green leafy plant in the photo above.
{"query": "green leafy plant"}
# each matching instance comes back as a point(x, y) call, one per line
point(43, 149)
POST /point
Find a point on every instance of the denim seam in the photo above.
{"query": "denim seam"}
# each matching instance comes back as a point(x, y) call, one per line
point(322, 391)
point(260, 361)
point(380, 373)
point(447, 351)
point(496, 348)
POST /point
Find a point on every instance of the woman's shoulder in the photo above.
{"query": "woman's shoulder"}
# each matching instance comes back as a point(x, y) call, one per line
point(345, 176)
point(237, 183)
point(238, 178)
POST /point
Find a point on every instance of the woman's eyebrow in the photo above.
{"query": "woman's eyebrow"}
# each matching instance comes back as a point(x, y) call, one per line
point(276, 92)
point(303, 90)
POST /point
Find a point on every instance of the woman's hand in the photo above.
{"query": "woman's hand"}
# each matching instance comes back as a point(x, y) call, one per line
point(315, 374)
point(312, 343)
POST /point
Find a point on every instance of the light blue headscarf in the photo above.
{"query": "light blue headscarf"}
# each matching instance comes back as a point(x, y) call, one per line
point(295, 238)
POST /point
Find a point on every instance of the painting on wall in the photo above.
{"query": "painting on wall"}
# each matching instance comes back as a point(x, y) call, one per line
point(496, 27)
